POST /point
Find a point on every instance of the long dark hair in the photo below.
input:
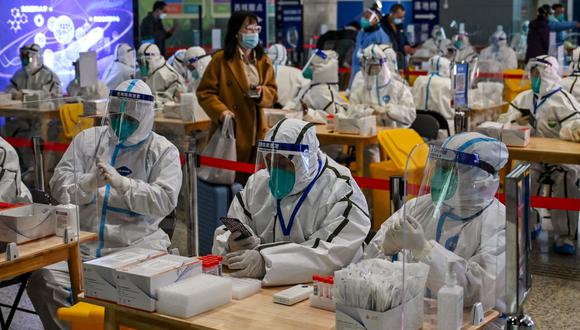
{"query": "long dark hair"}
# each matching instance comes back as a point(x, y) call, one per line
point(234, 25)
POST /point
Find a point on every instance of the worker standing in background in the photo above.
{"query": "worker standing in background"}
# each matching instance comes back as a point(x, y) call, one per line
point(499, 54)
point(559, 24)
point(370, 33)
point(393, 24)
point(520, 41)
point(152, 28)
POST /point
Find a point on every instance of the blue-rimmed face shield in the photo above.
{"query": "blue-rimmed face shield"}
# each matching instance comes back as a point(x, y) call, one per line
point(124, 111)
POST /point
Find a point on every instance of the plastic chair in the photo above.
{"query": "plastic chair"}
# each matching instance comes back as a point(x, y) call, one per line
point(84, 316)
point(443, 123)
point(426, 125)
point(72, 120)
point(396, 144)
point(514, 86)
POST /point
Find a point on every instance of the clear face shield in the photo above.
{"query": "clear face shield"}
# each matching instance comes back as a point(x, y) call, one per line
point(123, 112)
point(307, 71)
point(282, 161)
point(193, 65)
point(452, 222)
point(375, 72)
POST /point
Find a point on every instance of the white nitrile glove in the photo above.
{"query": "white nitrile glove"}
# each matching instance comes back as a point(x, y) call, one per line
point(248, 243)
point(90, 181)
point(406, 233)
point(248, 263)
point(571, 132)
point(110, 175)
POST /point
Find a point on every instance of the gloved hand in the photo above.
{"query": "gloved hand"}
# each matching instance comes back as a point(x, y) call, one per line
point(571, 132)
point(249, 263)
point(406, 233)
point(381, 109)
point(248, 243)
point(90, 181)
point(110, 175)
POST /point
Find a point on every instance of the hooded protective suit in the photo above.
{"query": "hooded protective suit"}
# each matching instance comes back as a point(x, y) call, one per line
point(571, 84)
point(433, 92)
point(147, 162)
point(391, 99)
point(321, 97)
point(165, 83)
point(12, 190)
point(34, 74)
point(436, 45)
point(331, 222)
point(557, 115)
point(196, 61)
point(176, 61)
point(462, 49)
point(122, 68)
point(473, 234)
point(499, 53)
point(392, 65)
point(520, 41)
point(97, 91)
point(289, 79)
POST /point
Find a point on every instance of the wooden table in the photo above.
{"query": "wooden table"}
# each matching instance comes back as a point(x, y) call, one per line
point(256, 312)
point(547, 150)
point(46, 251)
point(45, 115)
point(188, 126)
point(327, 137)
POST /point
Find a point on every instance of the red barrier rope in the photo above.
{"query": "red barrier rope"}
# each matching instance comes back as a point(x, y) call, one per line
point(480, 75)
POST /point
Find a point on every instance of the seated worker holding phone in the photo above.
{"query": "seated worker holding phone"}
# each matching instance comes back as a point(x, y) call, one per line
point(305, 213)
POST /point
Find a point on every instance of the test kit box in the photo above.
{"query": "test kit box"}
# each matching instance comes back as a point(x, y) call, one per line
point(137, 285)
point(351, 318)
point(99, 274)
point(511, 135)
point(363, 126)
point(27, 222)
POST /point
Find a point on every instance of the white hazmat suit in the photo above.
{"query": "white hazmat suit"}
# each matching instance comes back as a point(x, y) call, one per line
point(177, 62)
point(196, 61)
point(331, 222)
point(557, 115)
point(462, 49)
point(433, 92)
point(571, 83)
point(165, 83)
point(520, 41)
point(469, 228)
point(436, 45)
point(12, 190)
point(392, 65)
point(500, 56)
point(288, 79)
point(143, 178)
point(122, 68)
point(34, 75)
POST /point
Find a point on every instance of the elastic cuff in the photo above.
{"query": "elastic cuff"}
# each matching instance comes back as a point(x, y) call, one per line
point(420, 255)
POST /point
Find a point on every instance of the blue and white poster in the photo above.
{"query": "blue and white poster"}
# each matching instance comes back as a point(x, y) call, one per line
point(425, 17)
point(289, 24)
point(460, 84)
point(63, 28)
point(258, 7)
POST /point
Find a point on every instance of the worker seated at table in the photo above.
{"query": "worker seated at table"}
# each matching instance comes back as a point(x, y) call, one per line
point(320, 98)
point(436, 45)
point(122, 68)
point(12, 190)
point(33, 75)
point(305, 212)
point(177, 63)
point(391, 99)
point(454, 217)
point(571, 83)
point(433, 91)
point(461, 49)
point(551, 112)
point(125, 179)
point(166, 84)
point(498, 54)
point(391, 63)
point(289, 79)
point(196, 61)
point(93, 92)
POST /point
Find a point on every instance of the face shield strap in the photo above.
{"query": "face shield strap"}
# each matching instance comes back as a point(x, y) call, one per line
point(303, 132)
point(276, 129)
point(195, 59)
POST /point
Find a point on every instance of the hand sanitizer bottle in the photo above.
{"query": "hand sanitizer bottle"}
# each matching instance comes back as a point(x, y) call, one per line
point(66, 216)
point(450, 302)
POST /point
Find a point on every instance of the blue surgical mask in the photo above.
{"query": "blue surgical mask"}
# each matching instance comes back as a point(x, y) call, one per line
point(398, 21)
point(123, 128)
point(250, 40)
point(281, 182)
point(364, 23)
point(443, 182)
point(536, 82)
point(561, 17)
point(307, 73)
point(25, 61)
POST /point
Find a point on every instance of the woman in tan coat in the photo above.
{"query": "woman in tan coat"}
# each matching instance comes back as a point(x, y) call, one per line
point(240, 81)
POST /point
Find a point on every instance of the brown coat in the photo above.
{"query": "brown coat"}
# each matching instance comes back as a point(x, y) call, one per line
point(224, 87)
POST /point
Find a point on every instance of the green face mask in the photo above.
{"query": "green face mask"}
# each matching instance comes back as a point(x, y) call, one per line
point(24, 61)
point(281, 182)
point(194, 74)
point(536, 82)
point(443, 185)
point(307, 73)
point(364, 23)
point(459, 44)
point(561, 17)
point(144, 70)
point(123, 128)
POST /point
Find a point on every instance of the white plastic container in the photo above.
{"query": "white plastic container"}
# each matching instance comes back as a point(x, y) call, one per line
point(450, 302)
point(66, 215)
point(26, 223)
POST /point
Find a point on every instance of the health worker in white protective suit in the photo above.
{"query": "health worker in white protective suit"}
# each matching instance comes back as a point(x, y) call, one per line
point(196, 61)
point(461, 50)
point(122, 68)
point(12, 190)
point(33, 75)
point(97, 91)
point(551, 112)
point(305, 212)
point(571, 83)
point(321, 97)
point(391, 99)
point(125, 179)
point(176, 61)
point(289, 79)
point(436, 45)
point(392, 65)
point(455, 217)
point(520, 41)
point(166, 84)
point(499, 53)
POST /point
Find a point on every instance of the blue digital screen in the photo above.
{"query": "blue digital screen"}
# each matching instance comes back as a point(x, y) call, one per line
point(63, 28)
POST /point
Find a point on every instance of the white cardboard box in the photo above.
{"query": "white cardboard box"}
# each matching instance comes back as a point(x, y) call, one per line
point(350, 318)
point(25, 223)
point(363, 126)
point(511, 135)
point(99, 274)
point(137, 285)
